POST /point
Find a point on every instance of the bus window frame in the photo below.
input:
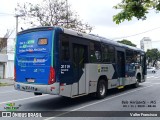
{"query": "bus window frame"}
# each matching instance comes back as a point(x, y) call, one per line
point(60, 47)
point(73, 40)
point(109, 52)
point(93, 51)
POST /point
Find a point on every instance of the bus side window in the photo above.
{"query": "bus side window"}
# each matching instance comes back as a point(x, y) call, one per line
point(65, 56)
point(112, 54)
point(95, 52)
point(129, 56)
point(98, 55)
point(130, 60)
point(108, 54)
point(105, 56)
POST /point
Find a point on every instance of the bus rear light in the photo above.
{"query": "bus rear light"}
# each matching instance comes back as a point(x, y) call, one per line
point(51, 76)
point(62, 89)
point(52, 88)
point(50, 28)
point(14, 73)
point(62, 84)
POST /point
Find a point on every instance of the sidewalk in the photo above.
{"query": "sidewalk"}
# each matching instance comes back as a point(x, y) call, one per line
point(8, 81)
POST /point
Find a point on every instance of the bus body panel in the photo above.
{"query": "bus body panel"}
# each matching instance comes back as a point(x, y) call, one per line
point(95, 71)
point(33, 61)
point(92, 73)
point(46, 89)
point(76, 77)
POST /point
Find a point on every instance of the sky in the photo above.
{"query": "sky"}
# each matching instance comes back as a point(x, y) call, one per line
point(97, 13)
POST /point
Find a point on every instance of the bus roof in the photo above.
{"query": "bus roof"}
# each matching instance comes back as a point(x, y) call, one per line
point(83, 35)
point(100, 39)
point(35, 29)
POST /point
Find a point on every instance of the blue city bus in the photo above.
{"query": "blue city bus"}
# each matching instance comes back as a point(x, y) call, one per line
point(59, 61)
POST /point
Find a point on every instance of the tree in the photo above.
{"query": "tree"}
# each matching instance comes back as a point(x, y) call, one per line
point(127, 42)
point(3, 41)
point(52, 13)
point(153, 55)
point(135, 8)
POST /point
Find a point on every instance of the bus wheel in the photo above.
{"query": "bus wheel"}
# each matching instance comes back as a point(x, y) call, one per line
point(101, 89)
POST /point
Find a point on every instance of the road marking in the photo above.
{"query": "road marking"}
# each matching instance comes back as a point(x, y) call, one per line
point(147, 82)
point(97, 102)
point(150, 76)
point(155, 80)
point(22, 99)
point(156, 83)
point(8, 91)
point(156, 77)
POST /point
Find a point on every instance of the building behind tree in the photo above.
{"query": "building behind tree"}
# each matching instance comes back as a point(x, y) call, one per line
point(146, 43)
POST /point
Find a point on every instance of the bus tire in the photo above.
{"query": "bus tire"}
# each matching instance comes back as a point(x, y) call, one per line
point(101, 89)
point(35, 93)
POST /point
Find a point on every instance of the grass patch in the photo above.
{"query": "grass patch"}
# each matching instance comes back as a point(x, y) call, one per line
point(3, 84)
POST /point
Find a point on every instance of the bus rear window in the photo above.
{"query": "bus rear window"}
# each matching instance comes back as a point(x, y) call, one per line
point(42, 41)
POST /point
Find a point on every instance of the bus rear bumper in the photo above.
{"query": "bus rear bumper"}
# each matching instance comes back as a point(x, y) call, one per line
point(45, 89)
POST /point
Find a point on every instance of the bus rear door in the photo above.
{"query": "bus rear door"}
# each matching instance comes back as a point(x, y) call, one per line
point(80, 57)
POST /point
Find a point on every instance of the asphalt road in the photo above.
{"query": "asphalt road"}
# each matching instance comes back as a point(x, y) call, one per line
point(116, 100)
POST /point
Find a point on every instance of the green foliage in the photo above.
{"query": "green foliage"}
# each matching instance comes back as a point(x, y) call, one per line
point(52, 13)
point(127, 42)
point(153, 55)
point(3, 84)
point(135, 8)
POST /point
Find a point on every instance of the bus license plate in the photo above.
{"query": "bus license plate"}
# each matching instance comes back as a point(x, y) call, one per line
point(30, 88)
point(31, 80)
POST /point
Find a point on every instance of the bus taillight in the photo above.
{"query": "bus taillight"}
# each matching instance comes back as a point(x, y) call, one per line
point(51, 76)
point(14, 73)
